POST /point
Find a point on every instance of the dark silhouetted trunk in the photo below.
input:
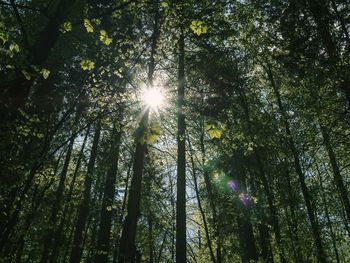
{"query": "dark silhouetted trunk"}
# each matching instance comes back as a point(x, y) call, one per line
point(181, 160)
point(103, 240)
point(49, 236)
point(316, 231)
point(84, 207)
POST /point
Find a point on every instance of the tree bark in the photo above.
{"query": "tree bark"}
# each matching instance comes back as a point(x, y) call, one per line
point(84, 207)
point(181, 160)
point(48, 239)
point(103, 240)
point(338, 179)
point(316, 231)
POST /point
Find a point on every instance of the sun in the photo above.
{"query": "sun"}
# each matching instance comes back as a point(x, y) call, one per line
point(153, 98)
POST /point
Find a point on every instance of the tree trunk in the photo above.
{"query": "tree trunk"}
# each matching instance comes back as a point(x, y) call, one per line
point(316, 231)
point(181, 160)
point(103, 240)
point(48, 239)
point(338, 179)
point(77, 249)
point(201, 210)
point(127, 248)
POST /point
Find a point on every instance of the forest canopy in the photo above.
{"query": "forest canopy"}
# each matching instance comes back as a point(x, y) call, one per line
point(155, 131)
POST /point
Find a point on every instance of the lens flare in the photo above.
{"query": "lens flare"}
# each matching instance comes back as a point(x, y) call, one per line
point(232, 185)
point(153, 98)
point(244, 198)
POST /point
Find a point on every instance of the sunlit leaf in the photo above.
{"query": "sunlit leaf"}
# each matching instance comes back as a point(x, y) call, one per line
point(87, 64)
point(14, 47)
point(198, 27)
point(214, 129)
point(66, 27)
point(215, 133)
point(4, 37)
point(164, 4)
point(104, 38)
point(88, 26)
point(45, 72)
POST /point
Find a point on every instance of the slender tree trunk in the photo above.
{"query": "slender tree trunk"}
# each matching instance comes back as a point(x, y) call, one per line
point(48, 239)
point(181, 160)
point(127, 247)
point(201, 210)
point(77, 249)
point(122, 212)
point(150, 239)
point(103, 240)
point(329, 222)
point(316, 231)
point(338, 179)
point(266, 184)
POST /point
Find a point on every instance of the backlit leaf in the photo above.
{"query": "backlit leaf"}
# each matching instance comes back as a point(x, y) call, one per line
point(198, 27)
point(45, 72)
point(66, 27)
point(88, 26)
point(87, 64)
point(104, 38)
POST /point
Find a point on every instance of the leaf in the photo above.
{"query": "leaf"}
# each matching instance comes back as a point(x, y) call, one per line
point(104, 38)
point(4, 37)
point(45, 72)
point(109, 208)
point(87, 64)
point(215, 133)
point(214, 130)
point(66, 27)
point(164, 4)
point(14, 47)
point(198, 27)
point(88, 25)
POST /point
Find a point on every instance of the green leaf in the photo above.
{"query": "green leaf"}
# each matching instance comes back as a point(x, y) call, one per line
point(104, 38)
point(14, 47)
point(88, 25)
point(214, 130)
point(45, 72)
point(164, 4)
point(87, 64)
point(215, 133)
point(66, 27)
point(4, 37)
point(198, 27)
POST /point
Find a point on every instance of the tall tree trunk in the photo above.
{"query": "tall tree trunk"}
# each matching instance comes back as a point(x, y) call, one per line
point(103, 240)
point(77, 249)
point(201, 210)
point(181, 160)
point(338, 179)
point(48, 239)
point(265, 181)
point(127, 247)
point(150, 239)
point(316, 231)
point(329, 222)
